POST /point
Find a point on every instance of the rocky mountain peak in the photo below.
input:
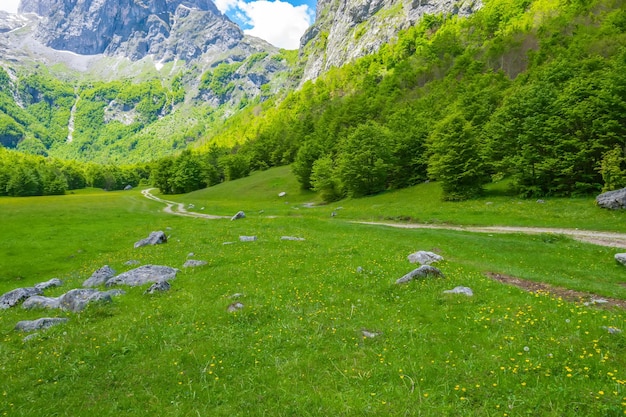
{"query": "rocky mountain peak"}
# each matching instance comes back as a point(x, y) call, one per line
point(165, 29)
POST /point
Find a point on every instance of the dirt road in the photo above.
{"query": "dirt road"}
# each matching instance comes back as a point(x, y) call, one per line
point(615, 240)
point(178, 209)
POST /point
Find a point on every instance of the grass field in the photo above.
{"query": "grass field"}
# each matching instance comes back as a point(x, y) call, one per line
point(297, 348)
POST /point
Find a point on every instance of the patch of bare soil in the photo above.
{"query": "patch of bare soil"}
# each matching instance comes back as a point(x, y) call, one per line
point(614, 240)
point(564, 293)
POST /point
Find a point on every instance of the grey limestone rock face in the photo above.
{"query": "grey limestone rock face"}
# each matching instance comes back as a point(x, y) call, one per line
point(155, 238)
point(621, 258)
point(423, 271)
point(14, 297)
point(145, 274)
point(349, 29)
point(42, 323)
point(614, 200)
point(100, 277)
point(424, 258)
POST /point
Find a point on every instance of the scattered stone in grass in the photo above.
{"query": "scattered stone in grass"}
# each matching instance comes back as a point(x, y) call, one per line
point(282, 194)
point(614, 200)
point(38, 301)
point(228, 243)
point(234, 307)
point(192, 263)
point(30, 337)
point(143, 275)
point(42, 323)
point(359, 270)
point(460, 290)
point(100, 277)
point(369, 334)
point(621, 258)
point(489, 203)
point(333, 214)
point(423, 271)
point(155, 238)
point(132, 262)
point(247, 238)
point(191, 255)
point(76, 300)
point(158, 287)
point(236, 295)
point(292, 238)
point(595, 301)
point(12, 298)
point(128, 187)
point(239, 215)
point(541, 201)
point(54, 282)
point(612, 330)
point(424, 258)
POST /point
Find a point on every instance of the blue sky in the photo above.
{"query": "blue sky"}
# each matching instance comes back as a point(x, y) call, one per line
point(280, 22)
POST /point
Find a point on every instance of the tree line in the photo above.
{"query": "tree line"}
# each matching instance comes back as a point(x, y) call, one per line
point(23, 175)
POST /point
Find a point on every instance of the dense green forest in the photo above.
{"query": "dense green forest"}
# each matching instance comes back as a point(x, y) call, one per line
point(531, 91)
point(534, 91)
point(24, 175)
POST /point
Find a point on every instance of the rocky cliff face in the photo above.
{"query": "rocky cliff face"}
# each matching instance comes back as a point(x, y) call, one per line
point(347, 29)
point(165, 29)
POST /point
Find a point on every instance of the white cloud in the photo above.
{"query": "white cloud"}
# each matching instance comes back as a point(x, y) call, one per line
point(280, 23)
point(9, 5)
point(225, 5)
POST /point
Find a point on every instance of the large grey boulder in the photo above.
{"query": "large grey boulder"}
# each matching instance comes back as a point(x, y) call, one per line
point(39, 301)
point(613, 200)
point(145, 274)
point(100, 277)
point(155, 238)
point(621, 258)
point(424, 258)
point(423, 271)
point(12, 298)
point(42, 323)
point(54, 282)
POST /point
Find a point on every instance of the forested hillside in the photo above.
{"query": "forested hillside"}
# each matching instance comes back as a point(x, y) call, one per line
point(534, 91)
point(530, 91)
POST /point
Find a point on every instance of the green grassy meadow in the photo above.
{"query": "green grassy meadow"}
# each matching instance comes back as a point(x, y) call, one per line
point(296, 348)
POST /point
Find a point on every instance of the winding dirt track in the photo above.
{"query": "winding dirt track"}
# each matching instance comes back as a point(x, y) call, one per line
point(178, 209)
point(614, 240)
